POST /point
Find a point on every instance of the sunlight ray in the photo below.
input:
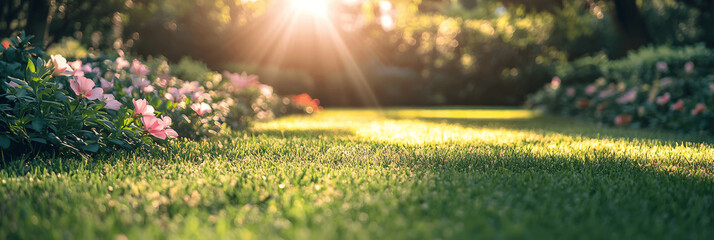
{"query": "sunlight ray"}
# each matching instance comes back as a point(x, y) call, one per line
point(352, 69)
point(274, 42)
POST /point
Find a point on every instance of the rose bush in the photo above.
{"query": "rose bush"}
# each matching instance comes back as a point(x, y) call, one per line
point(675, 92)
point(101, 102)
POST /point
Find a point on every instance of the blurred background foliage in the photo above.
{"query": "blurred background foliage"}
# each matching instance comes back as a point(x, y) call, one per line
point(405, 52)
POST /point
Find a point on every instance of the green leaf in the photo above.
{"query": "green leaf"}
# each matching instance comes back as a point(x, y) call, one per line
point(61, 96)
point(21, 82)
point(54, 138)
point(30, 67)
point(128, 133)
point(37, 125)
point(5, 107)
point(147, 140)
point(4, 142)
point(56, 104)
point(91, 147)
point(40, 63)
point(117, 142)
point(106, 124)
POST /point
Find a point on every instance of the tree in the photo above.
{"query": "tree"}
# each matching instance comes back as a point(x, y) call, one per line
point(38, 12)
point(629, 21)
point(630, 24)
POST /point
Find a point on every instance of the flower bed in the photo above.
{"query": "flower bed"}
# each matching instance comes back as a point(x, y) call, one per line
point(101, 103)
point(676, 92)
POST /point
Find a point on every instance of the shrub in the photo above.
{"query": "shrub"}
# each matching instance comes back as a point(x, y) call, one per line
point(193, 70)
point(583, 70)
point(40, 108)
point(641, 67)
point(101, 103)
point(660, 87)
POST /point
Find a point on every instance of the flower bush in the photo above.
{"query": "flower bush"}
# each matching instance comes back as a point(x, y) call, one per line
point(101, 103)
point(42, 105)
point(676, 92)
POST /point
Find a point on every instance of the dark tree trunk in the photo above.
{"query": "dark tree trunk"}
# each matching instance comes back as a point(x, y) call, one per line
point(38, 12)
point(631, 25)
point(468, 4)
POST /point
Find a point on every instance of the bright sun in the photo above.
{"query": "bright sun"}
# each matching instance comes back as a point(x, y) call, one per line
point(315, 7)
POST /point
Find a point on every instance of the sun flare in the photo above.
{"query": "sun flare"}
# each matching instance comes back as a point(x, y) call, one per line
point(314, 7)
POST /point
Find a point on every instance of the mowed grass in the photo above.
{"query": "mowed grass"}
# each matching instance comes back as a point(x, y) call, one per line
point(434, 173)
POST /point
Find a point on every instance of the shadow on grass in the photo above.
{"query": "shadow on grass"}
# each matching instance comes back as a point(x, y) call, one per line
point(616, 195)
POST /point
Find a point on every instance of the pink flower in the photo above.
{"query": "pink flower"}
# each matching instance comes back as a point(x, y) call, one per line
point(84, 88)
point(590, 89)
point(198, 96)
point(76, 64)
point(106, 85)
point(699, 109)
point(662, 100)
point(189, 87)
point(241, 80)
point(138, 69)
point(78, 73)
point(112, 103)
point(623, 119)
point(169, 132)
point(678, 106)
point(555, 83)
point(662, 66)
point(60, 64)
point(689, 67)
point(162, 81)
point(201, 108)
point(628, 97)
point(158, 126)
point(570, 92)
point(147, 89)
point(121, 63)
point(142, 108)
point(12, 84)
point(174, 95)
point(142, 83)
point(607, 92)
point(194, 91)
point(87, 68)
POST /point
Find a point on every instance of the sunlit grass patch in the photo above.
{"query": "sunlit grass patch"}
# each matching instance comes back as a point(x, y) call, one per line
point(464, 113)
point(552, 137)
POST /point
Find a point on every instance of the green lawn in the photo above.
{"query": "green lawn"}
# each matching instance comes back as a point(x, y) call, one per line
point(449, 173)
